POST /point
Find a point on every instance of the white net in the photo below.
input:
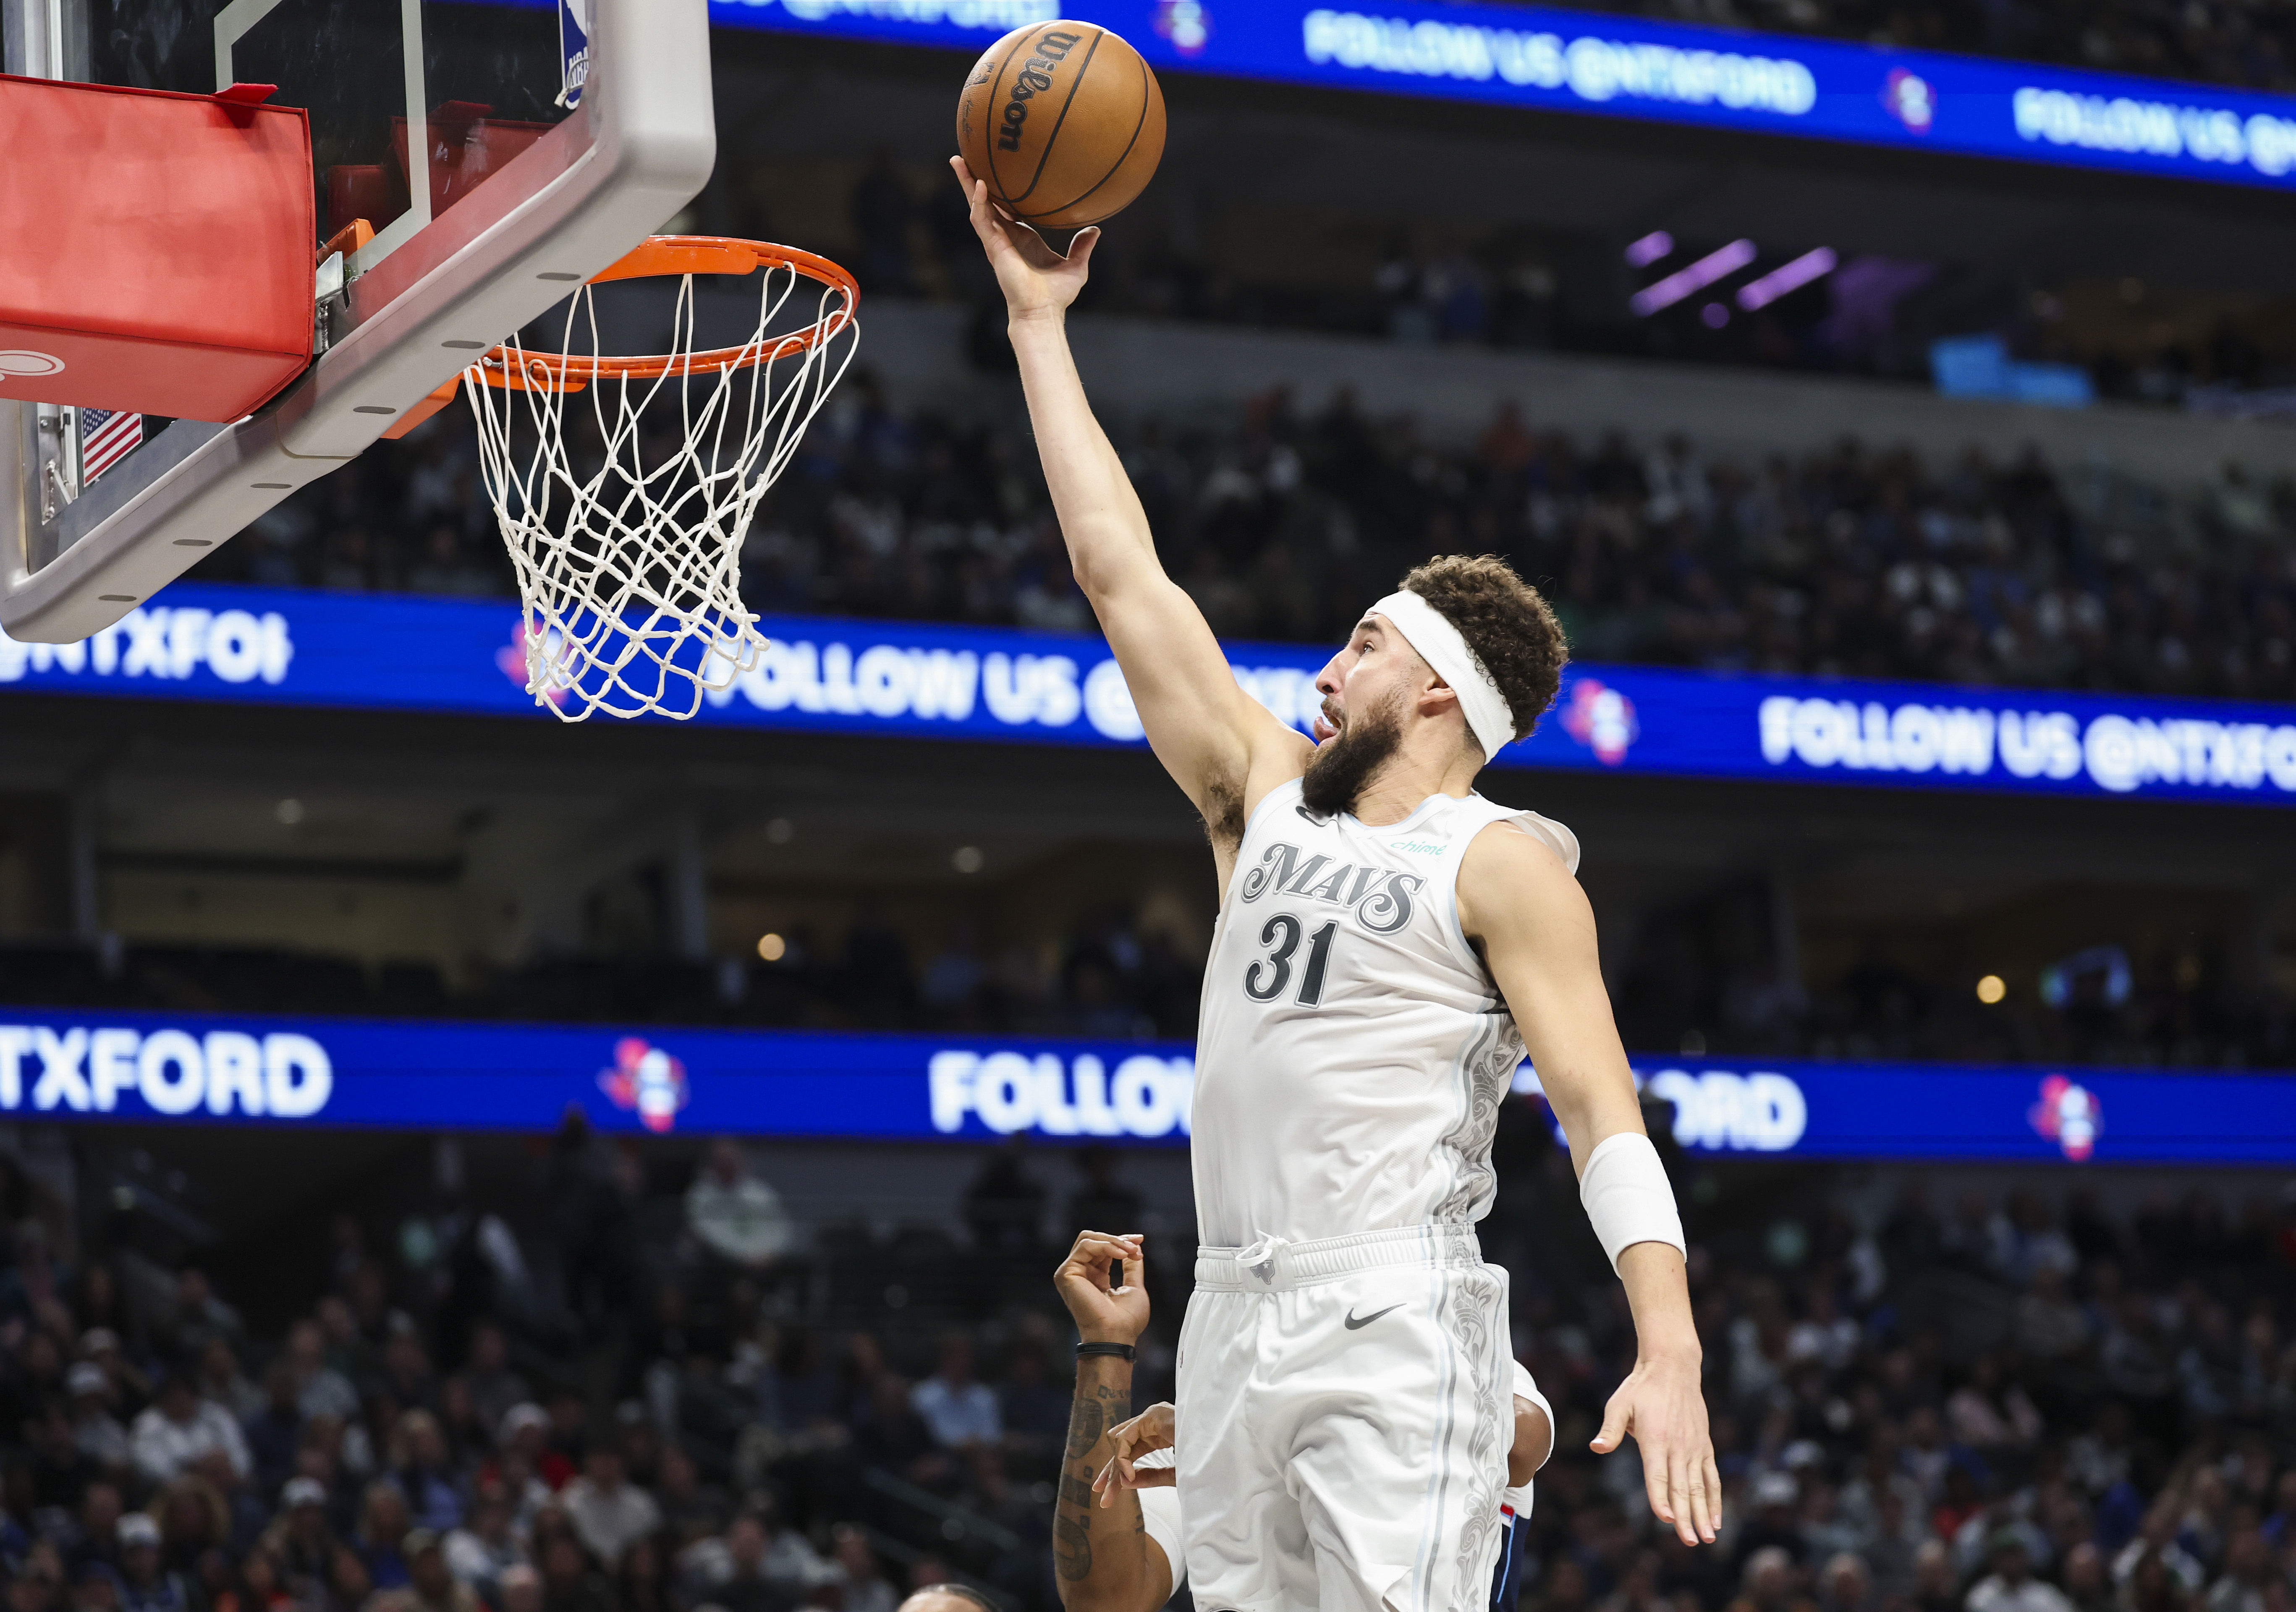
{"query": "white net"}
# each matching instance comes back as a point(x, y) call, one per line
point(625, 490)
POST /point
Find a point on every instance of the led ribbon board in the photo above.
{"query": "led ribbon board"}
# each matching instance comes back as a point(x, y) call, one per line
point(318, 1073)
point(1623, 66)
point(282, 646)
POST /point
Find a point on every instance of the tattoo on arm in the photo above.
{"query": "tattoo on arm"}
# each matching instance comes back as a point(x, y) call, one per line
point(1071, 1547)
point(1098, 1407)
point(1086, 1424)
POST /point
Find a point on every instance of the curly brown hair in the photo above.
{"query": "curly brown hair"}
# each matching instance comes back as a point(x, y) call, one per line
point(1505, 622)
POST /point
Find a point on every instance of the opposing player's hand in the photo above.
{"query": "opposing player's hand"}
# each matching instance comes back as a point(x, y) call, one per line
point(1151, 1430)
point(1037, 281)
point(1660, 1405)
point(1103, 1313)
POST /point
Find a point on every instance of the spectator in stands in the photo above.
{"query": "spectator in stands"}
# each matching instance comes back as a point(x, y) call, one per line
point(275, 1431)
point(2250, 1580)
point(320, 1389)
point(735, 1217)
point(94, 1429)
point(430, 1587)
point(1846, 1585)
point(485, 1548)
point(495, 1386)
point(147, 1584)
point(758, 1565)
point(421, 1467)
point(570, 1583)
point(381, 1535)
point(1004, 1206)
point(864, 1586)
point(609, 1512)
point(2011, 1586)
point(962, 1413)
point(180, 1426)
point(1101, 1201)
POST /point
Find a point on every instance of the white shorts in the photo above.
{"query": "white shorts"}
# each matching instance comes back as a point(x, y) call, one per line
point(1343, 1424)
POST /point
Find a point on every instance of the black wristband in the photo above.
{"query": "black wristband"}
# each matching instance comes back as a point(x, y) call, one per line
point(1120, 1351)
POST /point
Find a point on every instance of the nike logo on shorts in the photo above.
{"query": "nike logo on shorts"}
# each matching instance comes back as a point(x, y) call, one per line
point(1355, 1321)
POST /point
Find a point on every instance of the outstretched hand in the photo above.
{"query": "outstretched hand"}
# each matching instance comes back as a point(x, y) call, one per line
point(1152, 1430)
point(1659, 1403)
point(1037, 281)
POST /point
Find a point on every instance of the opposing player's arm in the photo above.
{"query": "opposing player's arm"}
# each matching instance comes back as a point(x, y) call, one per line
point(1104, 1560)
point(1210, 735)
point(1534, 1441)
point(1536, 929)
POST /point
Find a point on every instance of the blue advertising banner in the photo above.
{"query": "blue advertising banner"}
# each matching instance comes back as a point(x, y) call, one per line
point(917, 679)
point(201, 1069)
point(1626, 67)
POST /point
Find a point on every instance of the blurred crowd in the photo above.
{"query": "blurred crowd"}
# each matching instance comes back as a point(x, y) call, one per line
point(637, 1382)
point(1104, 976)
point(1704, 975)
point(1280, 522)
point(2240, 42)
point(2016, 1403)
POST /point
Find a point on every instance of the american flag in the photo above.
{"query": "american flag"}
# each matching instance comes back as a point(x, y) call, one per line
point(105, 438)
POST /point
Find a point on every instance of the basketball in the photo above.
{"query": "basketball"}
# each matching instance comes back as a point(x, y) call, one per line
point(1065, 121)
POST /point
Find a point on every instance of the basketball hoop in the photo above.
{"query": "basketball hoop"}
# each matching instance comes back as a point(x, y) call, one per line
point(628, 544)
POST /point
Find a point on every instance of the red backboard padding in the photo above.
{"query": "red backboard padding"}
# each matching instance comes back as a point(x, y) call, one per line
point(155, 249)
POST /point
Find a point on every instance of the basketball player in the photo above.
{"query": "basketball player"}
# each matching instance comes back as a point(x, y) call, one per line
point(1123, 1554)
point(1388, 943)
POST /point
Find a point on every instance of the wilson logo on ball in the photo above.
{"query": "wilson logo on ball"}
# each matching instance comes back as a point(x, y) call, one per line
point(1035, 77)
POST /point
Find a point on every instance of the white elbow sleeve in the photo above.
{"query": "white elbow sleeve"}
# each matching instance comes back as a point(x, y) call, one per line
point(1628, 1197)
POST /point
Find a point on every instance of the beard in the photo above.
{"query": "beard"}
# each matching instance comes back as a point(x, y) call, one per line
point(1338, 773)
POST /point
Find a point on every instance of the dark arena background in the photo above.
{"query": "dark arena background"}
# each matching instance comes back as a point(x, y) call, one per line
point(640, 1152)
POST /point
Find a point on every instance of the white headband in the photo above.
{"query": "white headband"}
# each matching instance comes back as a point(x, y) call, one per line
point(1430, 631)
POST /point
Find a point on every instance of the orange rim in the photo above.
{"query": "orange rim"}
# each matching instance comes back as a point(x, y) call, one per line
point(666, 255)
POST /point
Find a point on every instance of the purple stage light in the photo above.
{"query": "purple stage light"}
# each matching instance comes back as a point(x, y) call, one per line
point(1786, 277)
point(1694, 278)
point(1650, 248)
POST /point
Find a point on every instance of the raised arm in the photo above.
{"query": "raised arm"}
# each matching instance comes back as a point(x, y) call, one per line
point(1522, 909)
point(1102, 1558)
point(1223, 747)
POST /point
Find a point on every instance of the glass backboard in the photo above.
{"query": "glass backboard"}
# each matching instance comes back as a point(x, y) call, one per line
point(471, 161)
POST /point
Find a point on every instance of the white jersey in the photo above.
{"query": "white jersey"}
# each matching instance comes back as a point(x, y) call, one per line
point(1353, 1051)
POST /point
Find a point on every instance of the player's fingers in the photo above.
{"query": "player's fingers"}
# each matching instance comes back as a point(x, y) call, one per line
point(1656, 1483)
point(1713, 1497)
point(1106, 1245)
point(1678, 1490)
point(1093, 1251)
point(1614, 1427)
point(1155, 1478)
point(1701, 1499)
point(1081, 244)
